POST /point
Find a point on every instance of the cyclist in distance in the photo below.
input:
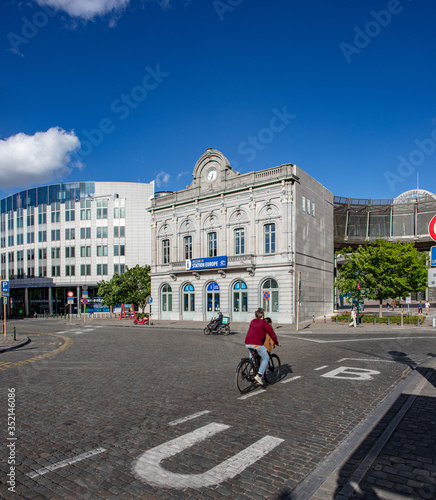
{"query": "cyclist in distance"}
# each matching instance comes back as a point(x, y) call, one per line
point(256, 337)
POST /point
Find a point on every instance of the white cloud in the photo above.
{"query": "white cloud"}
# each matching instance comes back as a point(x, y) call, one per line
point(162, 178)
point(26, 160)
point(182, 174)
point(86, 9)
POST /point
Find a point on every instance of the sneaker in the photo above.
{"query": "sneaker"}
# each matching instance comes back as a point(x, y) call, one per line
point(258, 379)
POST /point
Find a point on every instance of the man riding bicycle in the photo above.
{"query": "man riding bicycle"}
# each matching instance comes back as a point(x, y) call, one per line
point(255, 339)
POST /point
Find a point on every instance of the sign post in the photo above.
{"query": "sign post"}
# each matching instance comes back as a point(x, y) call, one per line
point(4, 294)
point(298, 297)
point(70, 296)
point(149, 300)
point(266, 297)
point(84, 297)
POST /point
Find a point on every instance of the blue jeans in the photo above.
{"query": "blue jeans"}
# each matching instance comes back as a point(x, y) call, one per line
point(263, 353)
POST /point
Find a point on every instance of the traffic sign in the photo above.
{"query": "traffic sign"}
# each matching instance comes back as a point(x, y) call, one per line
point(70, 294)
point(85, 293)
point(70, 300)
point(148, 300)
point(433, 256)
point(432, 228)
point(5, 286)
point(84, 301)
point(266, 295)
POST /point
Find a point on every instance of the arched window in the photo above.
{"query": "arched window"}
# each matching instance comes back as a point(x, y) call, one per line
point(240, 301)
point(188, 300)
point(167, 298)
point(272, 288)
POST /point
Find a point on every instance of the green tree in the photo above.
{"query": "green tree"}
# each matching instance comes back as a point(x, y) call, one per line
point(384, 269)
point(133, 286)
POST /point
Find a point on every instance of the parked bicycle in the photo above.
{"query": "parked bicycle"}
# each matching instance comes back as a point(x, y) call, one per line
point(247, 369)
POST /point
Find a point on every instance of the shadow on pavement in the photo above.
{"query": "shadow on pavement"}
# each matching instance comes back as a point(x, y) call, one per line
point(406, 464)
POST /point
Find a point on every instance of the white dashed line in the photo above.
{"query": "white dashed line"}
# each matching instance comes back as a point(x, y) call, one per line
point(64, 463)
point(189, 417)
point(290, 379)
point(253, 393)
point(321, 367)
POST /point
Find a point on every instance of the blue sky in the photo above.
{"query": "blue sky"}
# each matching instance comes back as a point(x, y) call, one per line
point(137, 90)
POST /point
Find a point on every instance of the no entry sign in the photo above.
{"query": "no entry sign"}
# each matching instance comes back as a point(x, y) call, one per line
point(432, 228)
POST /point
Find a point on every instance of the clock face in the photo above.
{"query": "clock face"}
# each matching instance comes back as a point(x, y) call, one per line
point(212, 175)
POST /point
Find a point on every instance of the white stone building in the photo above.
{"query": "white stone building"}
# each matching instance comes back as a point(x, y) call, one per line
point(229, 240)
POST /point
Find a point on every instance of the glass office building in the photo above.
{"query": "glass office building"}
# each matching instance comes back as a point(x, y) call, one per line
point(60, 238)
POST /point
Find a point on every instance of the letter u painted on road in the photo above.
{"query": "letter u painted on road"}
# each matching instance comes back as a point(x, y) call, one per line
point(148, 467)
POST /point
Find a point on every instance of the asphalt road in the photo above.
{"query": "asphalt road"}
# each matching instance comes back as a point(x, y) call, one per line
point(105, 411)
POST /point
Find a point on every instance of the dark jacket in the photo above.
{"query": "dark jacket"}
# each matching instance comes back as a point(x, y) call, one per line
point(257, 332)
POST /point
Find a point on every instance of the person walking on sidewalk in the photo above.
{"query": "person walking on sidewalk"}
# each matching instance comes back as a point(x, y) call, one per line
point(255, 339)
point(353, 318)
point(427, 307)
point(419, 307)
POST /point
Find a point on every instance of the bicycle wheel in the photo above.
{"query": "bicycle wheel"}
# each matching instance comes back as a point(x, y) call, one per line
point(272, 372)
point(206, 331)
point(244, 375)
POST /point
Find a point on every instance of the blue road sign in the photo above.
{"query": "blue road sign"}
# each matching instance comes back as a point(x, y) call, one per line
point(5, 287)
point(432, 256)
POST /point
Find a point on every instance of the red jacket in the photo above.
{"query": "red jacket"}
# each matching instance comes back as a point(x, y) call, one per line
point(257, 332)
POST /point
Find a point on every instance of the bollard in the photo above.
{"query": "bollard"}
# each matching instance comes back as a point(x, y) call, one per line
point(313, 319)
point(417, 321)
point(434, 322)
point(325, 320)
point(337, 316)
point(15, 338)
point(389, 320)
point(375, 319)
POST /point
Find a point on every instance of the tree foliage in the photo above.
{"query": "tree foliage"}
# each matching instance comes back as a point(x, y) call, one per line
point(131, 287)
point(384, 269)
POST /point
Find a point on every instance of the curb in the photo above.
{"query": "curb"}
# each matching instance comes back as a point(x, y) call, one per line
point(16, 346)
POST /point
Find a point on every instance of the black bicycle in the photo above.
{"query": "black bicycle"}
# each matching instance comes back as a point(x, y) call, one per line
point(248, 368)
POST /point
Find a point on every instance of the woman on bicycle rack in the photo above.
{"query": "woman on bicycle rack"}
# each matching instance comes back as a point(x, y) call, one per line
point(255, 339)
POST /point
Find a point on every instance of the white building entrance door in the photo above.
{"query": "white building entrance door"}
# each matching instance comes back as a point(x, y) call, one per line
point(166, 302)
point(212, 300)
point(271, 306)
point(188, 302)
point(240, 301)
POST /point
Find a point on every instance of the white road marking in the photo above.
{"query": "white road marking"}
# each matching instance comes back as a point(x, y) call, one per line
point(321, 367)
point(363, 359)
point(64, 463)
point(189, 417)
point(290, 379)
point(253, 393)
point(345, 372)
point(399, 336)
point(148, 467)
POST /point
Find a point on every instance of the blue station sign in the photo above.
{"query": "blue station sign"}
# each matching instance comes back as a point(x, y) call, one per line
point(433, 256)
point(206, 263)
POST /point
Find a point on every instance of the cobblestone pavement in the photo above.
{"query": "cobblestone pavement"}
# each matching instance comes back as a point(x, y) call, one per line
point(131, 411)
